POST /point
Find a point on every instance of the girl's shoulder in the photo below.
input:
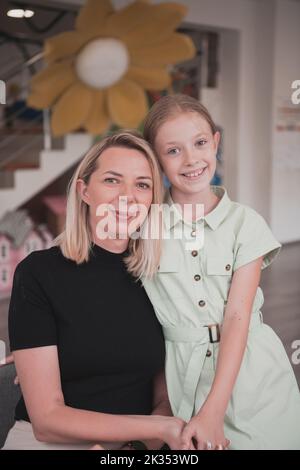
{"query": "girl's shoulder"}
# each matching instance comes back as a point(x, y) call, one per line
point(252, 236)
point(231, 214)
point(244, 214)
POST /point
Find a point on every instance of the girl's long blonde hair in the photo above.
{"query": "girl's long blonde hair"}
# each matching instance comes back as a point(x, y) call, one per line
point(76, 239)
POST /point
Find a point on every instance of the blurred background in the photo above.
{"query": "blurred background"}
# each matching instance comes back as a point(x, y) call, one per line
point(244, 66)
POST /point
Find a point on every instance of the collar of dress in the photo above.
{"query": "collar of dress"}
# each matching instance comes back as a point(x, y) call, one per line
point(213, 219)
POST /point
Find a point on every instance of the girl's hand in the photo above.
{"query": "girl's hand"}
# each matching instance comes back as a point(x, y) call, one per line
point(205, 432)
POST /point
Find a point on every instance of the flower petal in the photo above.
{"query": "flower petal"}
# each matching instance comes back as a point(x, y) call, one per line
point(127, 103)
point(127, 19)
point(93, 14)
point(49, 84)
point(150, 78)
point(177, 48)
point(98, 120)
point(63, 45)
point(57, 74)
point(157, 25)
point(40, 100)
point(72, 109)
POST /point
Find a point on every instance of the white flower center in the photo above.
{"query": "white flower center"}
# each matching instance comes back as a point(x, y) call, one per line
point(102, 62)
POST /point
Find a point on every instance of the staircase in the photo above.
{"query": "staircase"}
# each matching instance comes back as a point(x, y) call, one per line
point(30, 159)
point(52, 164)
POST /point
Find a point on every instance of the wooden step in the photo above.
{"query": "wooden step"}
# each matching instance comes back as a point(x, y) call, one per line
point(13, 166)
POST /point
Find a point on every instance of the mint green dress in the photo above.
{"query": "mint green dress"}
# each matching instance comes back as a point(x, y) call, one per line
point(189, 292)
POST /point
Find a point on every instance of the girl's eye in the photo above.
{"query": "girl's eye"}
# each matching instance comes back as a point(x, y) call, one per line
point(111, 180)
point(144, 185)
point(173, 151)
point(201, 142)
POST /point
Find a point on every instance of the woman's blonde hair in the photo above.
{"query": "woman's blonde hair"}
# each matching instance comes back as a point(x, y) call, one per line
point(76, 240)
point(170, 106)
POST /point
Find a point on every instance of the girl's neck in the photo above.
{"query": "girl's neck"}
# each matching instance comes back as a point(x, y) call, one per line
point(206, 197)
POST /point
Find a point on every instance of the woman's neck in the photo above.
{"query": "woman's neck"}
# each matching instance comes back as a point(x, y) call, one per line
point(112, 245)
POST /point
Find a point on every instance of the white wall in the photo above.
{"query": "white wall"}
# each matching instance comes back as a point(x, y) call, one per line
point(285, 201)
point(222, 103)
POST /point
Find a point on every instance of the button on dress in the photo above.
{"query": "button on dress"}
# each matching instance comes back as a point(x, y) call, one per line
point(189, 292)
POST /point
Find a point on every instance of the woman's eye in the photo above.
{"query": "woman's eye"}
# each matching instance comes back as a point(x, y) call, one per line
point(173, 151)
point(201, 142)
point(111, 180)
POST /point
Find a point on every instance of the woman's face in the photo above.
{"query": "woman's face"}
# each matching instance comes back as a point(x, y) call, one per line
point(119, 193)
point(187, 150)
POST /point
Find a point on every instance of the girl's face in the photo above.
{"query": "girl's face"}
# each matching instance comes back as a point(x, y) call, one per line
point(120, 186)
point(187, 151)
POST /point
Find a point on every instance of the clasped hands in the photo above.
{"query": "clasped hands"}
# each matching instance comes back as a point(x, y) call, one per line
point(202, 432)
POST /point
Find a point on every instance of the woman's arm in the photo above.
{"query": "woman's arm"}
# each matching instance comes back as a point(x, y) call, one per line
point(53, 421)
point(207, 425)
point(161, 406)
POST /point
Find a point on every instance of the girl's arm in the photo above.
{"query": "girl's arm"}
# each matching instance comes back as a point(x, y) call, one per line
point(207, 425)
point(53, 421)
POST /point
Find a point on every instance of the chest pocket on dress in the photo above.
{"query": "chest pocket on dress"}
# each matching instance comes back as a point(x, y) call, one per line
point(168, 264)
point(167, 282)
point(219, 265)
point(170, 258)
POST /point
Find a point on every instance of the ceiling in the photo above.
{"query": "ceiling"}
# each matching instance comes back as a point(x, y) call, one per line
point(50, 18)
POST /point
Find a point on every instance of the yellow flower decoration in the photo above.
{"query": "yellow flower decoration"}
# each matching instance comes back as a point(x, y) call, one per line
point(97, 74)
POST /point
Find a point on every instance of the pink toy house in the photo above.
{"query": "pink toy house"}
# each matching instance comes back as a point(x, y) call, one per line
point(56, 213)
point(18, 237)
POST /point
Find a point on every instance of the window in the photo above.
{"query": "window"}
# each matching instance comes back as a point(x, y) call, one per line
point(3, 251)
point(4, 276)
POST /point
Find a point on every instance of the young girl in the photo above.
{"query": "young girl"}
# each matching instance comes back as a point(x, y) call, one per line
point(227, 372)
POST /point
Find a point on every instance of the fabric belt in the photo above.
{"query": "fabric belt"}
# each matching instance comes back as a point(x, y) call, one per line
point(182, 334)
point(201, 335)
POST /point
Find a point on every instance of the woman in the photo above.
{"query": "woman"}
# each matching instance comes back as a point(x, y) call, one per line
point(88, 349)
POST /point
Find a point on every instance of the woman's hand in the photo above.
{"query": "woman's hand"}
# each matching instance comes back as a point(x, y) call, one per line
point(97, 447)
point(173, 433)
point(205, 432)
point(9, 360)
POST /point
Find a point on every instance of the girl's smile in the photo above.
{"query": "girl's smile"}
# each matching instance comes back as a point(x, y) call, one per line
point(194, 175)
point(187, 149)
